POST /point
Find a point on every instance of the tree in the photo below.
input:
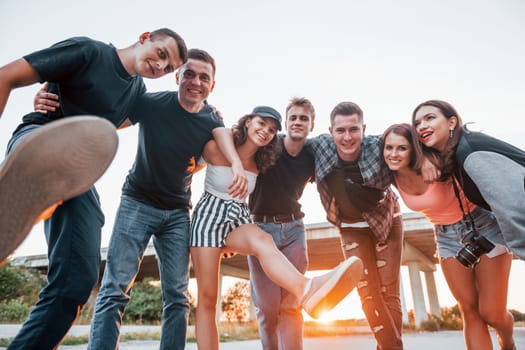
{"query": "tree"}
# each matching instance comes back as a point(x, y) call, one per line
point(20, 283)
point(18, 292)
point(12, 282)
point(235, 304)
point(146, 303)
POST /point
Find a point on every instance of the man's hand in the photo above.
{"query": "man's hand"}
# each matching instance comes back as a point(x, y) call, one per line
point(45, 101)
point(429, 172)
point(238, 188)
point(216, 111)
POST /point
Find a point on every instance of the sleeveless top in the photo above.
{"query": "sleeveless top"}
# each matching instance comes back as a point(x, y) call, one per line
point(439, 203)
point(219, 177)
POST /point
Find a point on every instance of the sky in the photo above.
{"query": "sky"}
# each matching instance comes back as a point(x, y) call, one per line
point(386, 56)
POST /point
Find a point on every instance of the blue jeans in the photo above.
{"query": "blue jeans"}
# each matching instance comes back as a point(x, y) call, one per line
point(135, 224)
point(73, 236)
point(278, 311)
point(379, 286)
point(448, 237)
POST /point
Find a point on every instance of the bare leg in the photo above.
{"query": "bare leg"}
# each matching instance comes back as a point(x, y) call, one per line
point(462, 284)
point(318, 294)
point(206, 264)
point(251, 240)
point(492, 275)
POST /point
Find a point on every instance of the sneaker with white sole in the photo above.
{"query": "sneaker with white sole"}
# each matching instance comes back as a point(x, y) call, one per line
point(326, 291)
point(55, 163)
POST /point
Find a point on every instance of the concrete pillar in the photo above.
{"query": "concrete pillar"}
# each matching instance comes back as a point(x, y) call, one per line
point(403, 301)
point(420, 312)
point(433, 300)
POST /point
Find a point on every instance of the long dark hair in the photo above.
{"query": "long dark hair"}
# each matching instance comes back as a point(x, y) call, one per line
point(404, 130)
point(265, 156)
point(446, 160)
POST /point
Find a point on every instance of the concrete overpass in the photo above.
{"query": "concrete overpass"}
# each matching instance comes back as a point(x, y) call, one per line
point(324, 252)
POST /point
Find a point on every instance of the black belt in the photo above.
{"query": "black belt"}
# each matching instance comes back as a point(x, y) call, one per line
point(277, 219)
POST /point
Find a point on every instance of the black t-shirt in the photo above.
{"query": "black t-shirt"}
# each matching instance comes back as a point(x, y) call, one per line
point(89, 78)
point(336, 180)
point(278, 190)
point(171, 141)
point(352, 197)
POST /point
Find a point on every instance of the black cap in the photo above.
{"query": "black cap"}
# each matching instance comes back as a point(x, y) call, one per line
point(268, 112)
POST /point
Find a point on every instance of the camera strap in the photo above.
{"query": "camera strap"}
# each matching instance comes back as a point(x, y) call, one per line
point(458, 196)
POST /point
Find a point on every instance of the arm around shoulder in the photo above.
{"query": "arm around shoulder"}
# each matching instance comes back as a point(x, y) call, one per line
point(211, 152)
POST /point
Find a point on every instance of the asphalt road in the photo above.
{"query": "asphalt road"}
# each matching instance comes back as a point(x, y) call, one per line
point(449, 340)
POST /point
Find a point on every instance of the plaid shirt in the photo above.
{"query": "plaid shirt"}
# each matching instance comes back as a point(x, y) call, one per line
point(375, 174)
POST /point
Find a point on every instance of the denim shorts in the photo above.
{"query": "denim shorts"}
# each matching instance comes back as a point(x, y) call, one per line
point(448, 237)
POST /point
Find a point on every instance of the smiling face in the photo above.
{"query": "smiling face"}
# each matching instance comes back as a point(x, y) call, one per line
point(261, 131)
point(196, 82)
point(348, 132)
point(432, 127)
point(299, 122)
point(156, 57)
point(397, 152)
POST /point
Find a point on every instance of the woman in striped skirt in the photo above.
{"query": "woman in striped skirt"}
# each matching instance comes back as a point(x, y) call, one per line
point(222, 224)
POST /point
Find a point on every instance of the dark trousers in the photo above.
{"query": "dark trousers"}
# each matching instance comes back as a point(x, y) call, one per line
point(379, 287)
point(73, 237)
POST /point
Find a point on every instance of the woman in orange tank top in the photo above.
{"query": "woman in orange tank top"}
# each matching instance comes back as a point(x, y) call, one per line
point(481, 288)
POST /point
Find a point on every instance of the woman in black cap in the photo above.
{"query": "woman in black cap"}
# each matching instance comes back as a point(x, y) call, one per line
point(221, 224)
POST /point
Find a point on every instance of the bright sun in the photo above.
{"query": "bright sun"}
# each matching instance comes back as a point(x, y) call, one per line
point(325, 318)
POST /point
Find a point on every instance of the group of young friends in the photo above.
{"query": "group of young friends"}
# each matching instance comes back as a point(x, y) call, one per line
point(461, 180)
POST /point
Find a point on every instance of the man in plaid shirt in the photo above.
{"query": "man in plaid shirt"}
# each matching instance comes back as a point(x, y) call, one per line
point(354, 185)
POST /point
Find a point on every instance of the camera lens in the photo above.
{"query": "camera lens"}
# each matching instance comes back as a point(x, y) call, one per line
point(467, 257)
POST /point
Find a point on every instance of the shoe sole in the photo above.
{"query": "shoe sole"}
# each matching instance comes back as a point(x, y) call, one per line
point(56, 162)
point(340, 284)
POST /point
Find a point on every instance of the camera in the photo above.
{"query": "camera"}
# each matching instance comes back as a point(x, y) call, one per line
point(474, 247)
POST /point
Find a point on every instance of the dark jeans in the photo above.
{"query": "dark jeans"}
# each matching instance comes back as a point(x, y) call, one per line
point(73, 238)
point(379, 287)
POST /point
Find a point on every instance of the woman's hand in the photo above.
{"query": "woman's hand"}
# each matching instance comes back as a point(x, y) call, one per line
point(238, 188)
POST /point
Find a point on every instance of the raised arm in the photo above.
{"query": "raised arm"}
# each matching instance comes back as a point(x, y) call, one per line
point(239, 185)
point(13, 75)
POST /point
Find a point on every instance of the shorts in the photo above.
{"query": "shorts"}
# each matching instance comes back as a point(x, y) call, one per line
point(448, 237)
point(214, 218)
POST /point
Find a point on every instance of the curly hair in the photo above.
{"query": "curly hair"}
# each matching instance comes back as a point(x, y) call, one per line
point(265, 156)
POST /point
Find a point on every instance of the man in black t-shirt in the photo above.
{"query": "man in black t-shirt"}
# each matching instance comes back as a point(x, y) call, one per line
point(275, 208)
point(52, 160)
point(173, 129)
point(156, 199)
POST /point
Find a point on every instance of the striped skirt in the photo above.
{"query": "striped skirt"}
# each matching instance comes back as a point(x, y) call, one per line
point(214, 218)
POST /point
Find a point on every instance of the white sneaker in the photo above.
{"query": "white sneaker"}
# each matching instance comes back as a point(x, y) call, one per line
point(55, 163)
point(326, 291)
